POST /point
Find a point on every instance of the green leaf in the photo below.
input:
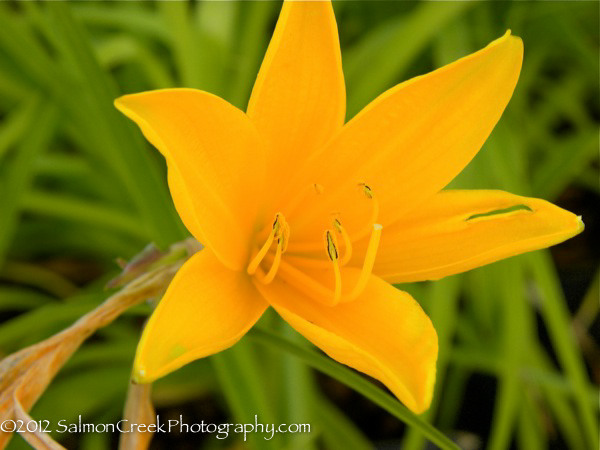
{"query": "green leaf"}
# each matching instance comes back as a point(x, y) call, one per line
point(378, 60)
point(19, 171)
point(356, 382)
point(239, 374)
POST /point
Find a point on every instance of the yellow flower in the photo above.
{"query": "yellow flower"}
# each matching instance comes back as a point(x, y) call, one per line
point(315, 217)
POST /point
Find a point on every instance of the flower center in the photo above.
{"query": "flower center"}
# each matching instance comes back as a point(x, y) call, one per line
point(302, 253)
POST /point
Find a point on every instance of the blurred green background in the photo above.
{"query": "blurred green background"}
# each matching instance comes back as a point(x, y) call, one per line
point(519, 359)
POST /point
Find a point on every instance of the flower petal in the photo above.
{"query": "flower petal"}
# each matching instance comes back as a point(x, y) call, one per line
point(415, 138)
point(384, 333)
point(455, 232)
point(215, 160)
point(207, 308)
point(299, 100)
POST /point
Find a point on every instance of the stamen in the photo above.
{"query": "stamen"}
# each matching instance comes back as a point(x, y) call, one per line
point(368, 263)
point(251, 270)
point(332, 252)
point(314, 289)
point(371, 196)
point(275, 266)
point(353, 236)
point(368, 192)
point(347, 242)
point(366, 189)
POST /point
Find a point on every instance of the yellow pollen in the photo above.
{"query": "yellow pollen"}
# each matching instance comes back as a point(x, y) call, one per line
point(368, 263)
point(332, 252)
point(347, 242)
point(278, 225)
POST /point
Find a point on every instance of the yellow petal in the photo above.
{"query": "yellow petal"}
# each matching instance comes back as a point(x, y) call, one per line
point(215, 160)
point(416, 137)
point(207, 308)
point(384, 333)
point(452, 233)
point(298, 100)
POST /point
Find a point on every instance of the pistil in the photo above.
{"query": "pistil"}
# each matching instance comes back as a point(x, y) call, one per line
point(368, 262)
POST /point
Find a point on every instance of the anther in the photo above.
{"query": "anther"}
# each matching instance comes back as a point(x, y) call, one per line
point(370, 195)
point(275, 232)
point(347, 242)
point(283, 237)
point(332, 252)
point(366, 190)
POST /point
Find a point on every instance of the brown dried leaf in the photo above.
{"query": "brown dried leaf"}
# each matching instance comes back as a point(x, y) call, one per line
point(37, 439)
point(138, 410)
point(26, 374)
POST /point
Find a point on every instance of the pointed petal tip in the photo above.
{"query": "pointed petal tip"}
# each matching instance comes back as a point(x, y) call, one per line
point(580, 224)
point(140, 375)
point(121, 103)
point(573, 227)
point(226, 309)
point(118, 102)
point(122, 100)
point(384, 334)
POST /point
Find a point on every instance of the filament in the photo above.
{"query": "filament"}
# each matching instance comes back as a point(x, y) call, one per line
point(275, 265)
point(370, 195)
point(333, 254)
point(277, 226)
point(261, 254)
point(316, 290)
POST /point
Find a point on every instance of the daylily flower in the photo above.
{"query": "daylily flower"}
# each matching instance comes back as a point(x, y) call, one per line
point(315, 218)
